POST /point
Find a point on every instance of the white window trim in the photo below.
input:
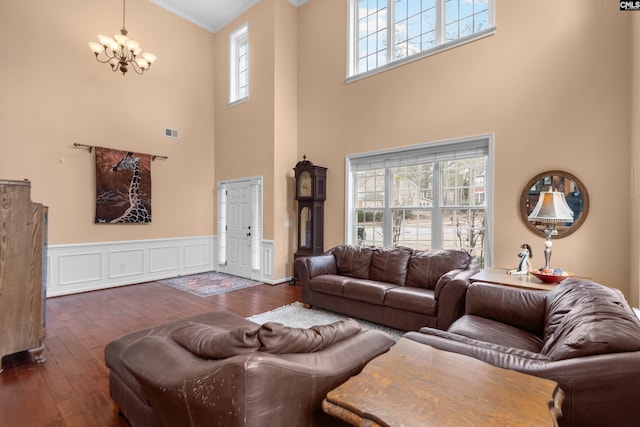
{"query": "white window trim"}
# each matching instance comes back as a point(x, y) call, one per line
point(235, 37)
point(352, 25)
point(350, 192)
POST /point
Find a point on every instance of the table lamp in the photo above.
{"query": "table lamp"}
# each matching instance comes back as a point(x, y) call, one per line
point(551, 209)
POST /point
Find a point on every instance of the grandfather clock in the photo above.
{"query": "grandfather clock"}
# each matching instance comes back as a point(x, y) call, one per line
point(311, 192)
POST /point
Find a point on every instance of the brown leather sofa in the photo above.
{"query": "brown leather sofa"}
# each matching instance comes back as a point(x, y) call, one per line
point(218, 369)
point(399, 287)
point(582, 335)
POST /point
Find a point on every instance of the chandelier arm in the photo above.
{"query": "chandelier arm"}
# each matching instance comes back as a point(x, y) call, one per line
point(101, 61)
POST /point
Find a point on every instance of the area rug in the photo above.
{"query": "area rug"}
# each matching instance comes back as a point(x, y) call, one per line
point(295, 315)
point(208, 284)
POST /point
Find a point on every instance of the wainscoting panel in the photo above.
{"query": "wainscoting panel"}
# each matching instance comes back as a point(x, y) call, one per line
point(165, 258)
point(126, 263)
point(92, 266)
point(79, 268)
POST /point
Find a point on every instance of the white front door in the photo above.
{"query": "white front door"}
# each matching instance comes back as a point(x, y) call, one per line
point(239, 228)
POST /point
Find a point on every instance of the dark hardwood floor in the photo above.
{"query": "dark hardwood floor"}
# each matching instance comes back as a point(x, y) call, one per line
point(71, 388)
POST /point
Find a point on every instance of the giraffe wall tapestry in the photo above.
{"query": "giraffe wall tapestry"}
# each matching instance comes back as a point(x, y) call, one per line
point(123, 186)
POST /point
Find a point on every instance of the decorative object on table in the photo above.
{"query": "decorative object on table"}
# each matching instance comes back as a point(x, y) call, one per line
point(575, 193)
point(120, 52)
point(551, 210)
point(554, 275)
point(525, 254)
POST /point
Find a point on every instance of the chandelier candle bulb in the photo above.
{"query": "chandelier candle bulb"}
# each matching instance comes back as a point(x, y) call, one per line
point(120, 52)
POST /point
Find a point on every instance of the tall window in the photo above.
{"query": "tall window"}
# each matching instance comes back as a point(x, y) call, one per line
point(239, 64)
point(385, 33)
point(426, 196)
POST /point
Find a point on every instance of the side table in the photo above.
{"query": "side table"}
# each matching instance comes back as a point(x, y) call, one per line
point(501, 276)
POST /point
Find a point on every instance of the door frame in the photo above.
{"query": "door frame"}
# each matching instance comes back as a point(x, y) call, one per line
point(255, 184)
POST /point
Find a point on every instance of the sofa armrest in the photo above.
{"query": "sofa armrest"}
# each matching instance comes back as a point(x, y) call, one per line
point(309, 267)
point(450, 297)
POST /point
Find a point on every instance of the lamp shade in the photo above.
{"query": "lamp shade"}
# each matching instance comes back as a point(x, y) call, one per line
point(551, 208)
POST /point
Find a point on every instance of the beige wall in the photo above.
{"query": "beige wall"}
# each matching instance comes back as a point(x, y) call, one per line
point(259, 137)
point(54, 93)
point(552, 84)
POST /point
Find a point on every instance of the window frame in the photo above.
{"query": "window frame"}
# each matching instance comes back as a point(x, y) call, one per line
point(486, 142)
point(236, 38)
point(440, 46)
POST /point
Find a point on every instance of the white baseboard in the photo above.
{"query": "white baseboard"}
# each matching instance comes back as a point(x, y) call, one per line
point(92, 266)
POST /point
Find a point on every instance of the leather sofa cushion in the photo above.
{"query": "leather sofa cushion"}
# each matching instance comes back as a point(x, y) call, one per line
point(412, 299)
point(426, 267)
point(517, 307)
point(353, 261)
point(211, 342)
point(389, 265)
point(366, 290)
point(279, 339)
point(329, 284)
point(496, 332)
point(601, 322)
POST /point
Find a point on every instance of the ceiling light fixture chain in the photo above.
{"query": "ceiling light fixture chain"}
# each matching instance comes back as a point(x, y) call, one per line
point(120, 52)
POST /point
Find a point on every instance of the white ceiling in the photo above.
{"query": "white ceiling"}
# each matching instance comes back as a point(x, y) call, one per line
point(211, 15)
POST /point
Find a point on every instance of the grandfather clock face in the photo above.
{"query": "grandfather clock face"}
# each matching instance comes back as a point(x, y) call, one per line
point(304, 184)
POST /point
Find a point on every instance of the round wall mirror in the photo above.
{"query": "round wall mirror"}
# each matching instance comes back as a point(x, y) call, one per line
point(575, 194)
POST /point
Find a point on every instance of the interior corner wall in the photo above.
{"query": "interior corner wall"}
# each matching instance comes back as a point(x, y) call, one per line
point(55, 93)
point(285, 133)
point(555, 96)
point(250, 136)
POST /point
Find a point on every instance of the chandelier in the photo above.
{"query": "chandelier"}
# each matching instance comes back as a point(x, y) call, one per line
point(120, 52)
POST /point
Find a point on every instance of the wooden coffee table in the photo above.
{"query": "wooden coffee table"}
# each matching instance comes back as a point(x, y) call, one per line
point(417, 385)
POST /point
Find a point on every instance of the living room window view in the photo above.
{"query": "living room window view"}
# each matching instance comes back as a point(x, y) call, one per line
point(367, 242)
point(387, 33)
point(432, 196)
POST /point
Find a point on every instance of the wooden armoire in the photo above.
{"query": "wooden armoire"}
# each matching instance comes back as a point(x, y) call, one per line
point(23, 241)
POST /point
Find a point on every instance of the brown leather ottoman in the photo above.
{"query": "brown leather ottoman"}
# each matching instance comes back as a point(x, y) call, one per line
point(125, 390)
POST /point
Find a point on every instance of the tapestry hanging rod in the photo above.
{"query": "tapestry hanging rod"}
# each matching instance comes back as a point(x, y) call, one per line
point(91, 147)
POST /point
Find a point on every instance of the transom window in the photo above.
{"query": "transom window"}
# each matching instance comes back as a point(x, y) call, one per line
point(239, 64)
point(385, 33)
point(423, 197)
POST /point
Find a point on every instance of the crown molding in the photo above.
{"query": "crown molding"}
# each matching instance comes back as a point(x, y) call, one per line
point(298, 3)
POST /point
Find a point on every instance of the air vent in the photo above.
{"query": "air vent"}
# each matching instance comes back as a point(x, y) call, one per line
point(171, 133)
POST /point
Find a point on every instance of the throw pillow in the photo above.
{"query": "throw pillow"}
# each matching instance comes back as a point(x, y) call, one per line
point(211, 342)
point(279, 339)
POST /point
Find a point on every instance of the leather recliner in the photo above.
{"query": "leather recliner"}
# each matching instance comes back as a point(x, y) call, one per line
point(582, 335)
